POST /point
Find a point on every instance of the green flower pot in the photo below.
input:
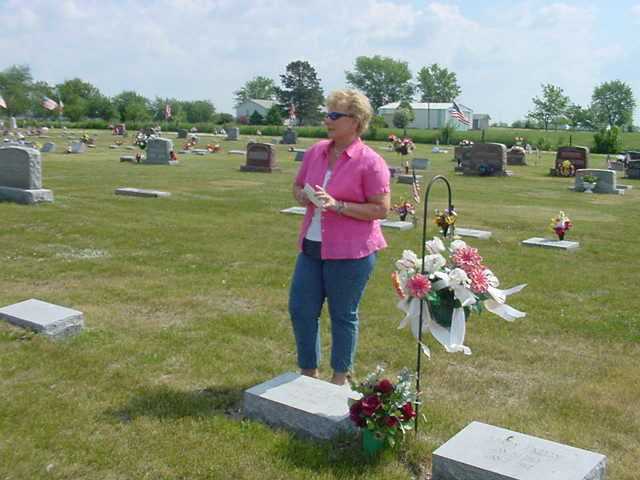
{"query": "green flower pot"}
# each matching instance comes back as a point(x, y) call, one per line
point(371, 446)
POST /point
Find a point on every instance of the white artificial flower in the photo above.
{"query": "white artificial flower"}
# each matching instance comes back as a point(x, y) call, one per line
point(492, 280)
point(456, 244)
point(409, 261)
point(435, 245)
point(433, 263)
point(457, 276)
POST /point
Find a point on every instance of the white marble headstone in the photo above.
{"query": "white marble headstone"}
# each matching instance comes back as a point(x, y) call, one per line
point(51, 320)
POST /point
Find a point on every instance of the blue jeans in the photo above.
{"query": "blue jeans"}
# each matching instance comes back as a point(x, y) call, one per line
point(342, 283)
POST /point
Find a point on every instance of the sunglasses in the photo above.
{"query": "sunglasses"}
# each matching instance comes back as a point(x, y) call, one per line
point(337, 115)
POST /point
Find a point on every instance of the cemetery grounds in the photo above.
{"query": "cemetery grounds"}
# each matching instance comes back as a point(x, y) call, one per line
point(185, 306)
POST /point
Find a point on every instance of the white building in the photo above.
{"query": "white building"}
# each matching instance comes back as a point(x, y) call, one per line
point(247, 108)
point(429, 115)
point(481, 121)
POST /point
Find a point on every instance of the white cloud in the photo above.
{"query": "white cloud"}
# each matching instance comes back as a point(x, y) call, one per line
point(635, 13)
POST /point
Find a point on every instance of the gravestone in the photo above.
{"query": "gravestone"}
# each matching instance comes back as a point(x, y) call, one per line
point(633, 169)
point(237, 152)
point(128, 158)
point(299, 156)
point(182, 133)
point(606, 181)
point(516, 158)
point(420, 163)
point(78, 147)
point(462, 153)
point(486, 159)
point(289, 137)
point(139, 192)
point(12, 123)
point(21, 176)
point(159, 152)
point(396, 224)
point(113, 146)
point(393, 171)
point(48, 147)
point(233, 133)
point(408, 178)
point(470, 232)
point(547, 243)
point(51, 320)
point(485, 452)
point(295, 210)
point(306, 406)
point(577, 156)
point(261, 157)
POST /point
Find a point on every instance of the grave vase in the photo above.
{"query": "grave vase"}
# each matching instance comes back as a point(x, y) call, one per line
point(588, 187)
point(561, 236)
point(371, 446)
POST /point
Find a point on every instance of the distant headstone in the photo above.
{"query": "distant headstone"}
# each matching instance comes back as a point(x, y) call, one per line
point(299, 156)
point(139, 192)
point(546, 243)
point(113, 146)
point(130, 147)
point(486, 159)
point(51, 320)
point(21, 176)
point(393, 171)
point(606, 181)
point(233, 133)
point(470, 232)
point(78, 147)
point(128, 158)
point(408, 179)
point(48, 147)
point(237, 152)
point(261, 157)
point(295, 210)
point(159, 152)
point(182, 133)
point(306, 406)
point(633, 169)
point(578, 157)
point(420, 163)
point(462, 153)
point(396, 224)
point(516, 158)
point(289, 137)
point(12, 123)
point(485, 452)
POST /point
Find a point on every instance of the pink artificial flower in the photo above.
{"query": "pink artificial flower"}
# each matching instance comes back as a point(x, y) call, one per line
point(479, 281)
point(418, 285)
point(466, 258)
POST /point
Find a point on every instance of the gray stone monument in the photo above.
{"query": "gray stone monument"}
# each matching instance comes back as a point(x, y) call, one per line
point(233, 133)
point(606, 181)
point(12, 123)
point(48, 147)
point(420, 163)
point(182, 133)
point(306, 406)
point(78, 147)
point(159, 152)
point(21, 176)
point(140, 192)
point(290, 137)
point(51, 320)
point(485, 452)
point(485, 159)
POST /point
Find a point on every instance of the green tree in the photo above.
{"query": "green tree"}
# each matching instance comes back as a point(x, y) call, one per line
point(15, 87)
point(301, 87)
point(39, 90)
point(132, 106)
point(274, 116)
point(551, 106)
point(199, 111)
point(578, 116)
point(256, 118)
point(613, 103)
point(437, 84)
point(382, 79)
point(77, 97)
point(101, 107)
point(403, 115)
point(260, 88)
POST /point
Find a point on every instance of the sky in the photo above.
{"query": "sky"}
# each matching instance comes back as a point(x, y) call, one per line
point(501, 51)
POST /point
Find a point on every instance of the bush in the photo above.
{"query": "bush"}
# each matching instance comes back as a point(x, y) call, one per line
point(607, 141)
point(543, 144)
point(256, 118)
point(446, 133)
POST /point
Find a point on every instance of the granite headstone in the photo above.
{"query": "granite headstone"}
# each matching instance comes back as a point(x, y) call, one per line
point(159, 152)
point(51, 320)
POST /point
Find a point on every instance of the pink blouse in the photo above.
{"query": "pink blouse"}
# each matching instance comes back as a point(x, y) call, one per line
point(359, 172)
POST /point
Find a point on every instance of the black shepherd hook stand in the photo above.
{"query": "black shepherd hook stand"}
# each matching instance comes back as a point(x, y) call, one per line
point(422, 271)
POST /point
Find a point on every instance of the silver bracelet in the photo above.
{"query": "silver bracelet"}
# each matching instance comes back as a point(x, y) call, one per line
point(342, 205)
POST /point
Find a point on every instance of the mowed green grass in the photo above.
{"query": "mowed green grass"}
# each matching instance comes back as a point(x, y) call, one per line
point(185, 304)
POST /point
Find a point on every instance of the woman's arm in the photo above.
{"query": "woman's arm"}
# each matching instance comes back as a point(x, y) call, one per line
point(376, 207)
point(299, 195)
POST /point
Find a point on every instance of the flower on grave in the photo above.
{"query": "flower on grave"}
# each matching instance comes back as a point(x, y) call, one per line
point(404, 146)
point(466, 142)
point(567, 169)
point(445, 220)
point(403, 208)
point(560, 224)
point(213, 148)
point(385, 408)
point(518, 140)
point(458, 284)
point(516, 149)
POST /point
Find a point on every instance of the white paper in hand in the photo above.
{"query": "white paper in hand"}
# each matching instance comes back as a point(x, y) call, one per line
point(311, 194)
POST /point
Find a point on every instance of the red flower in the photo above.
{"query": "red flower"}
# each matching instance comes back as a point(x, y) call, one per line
point(371, 401)
point(407, 411)
point(385, 386)
point(391, 421)
point(418, 285)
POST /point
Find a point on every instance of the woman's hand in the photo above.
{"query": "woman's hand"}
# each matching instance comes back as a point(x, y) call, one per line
point(300, 196)
point(328, 202)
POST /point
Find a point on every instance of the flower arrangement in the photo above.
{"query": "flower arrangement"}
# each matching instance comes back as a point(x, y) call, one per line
point(588, 178)
point(403, 146)
point(213, 148)
point(386, 408)
point(189, 144)
point(517, 149)
point(118, 142)
point(518, 140)
point(566, 169)
point(445, 220)
point(466, 142)
point(560, 224)
point(403, 208)
point(453, 287)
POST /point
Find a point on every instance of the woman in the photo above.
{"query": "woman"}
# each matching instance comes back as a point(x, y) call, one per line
point(338, 241)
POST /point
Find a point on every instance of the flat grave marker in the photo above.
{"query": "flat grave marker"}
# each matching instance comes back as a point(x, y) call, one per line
point(547, 243)
point(51, 320)
point(470, 232)
point(485, 452)
point(141, 192)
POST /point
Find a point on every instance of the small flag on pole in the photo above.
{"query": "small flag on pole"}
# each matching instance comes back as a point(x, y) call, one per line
point(167, 111)
point(49, 104)
point(415, 186)
point(3, 104)
point(457, 113)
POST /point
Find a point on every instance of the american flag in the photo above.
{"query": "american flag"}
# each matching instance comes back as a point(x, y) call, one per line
point(49, 104)
point(415, 186)
point(292, 112)
point(2, 102)
point(167, 111)
point(457, 113)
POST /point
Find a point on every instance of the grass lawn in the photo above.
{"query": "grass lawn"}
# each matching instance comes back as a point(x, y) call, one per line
point(185, 303)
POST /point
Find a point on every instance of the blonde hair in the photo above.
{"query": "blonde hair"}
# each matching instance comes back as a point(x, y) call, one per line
point(354, 102)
